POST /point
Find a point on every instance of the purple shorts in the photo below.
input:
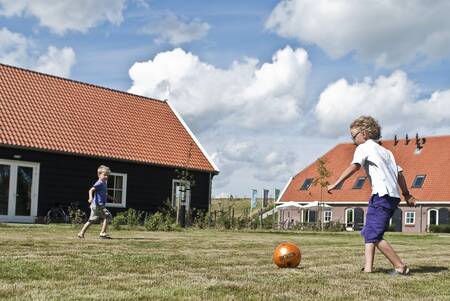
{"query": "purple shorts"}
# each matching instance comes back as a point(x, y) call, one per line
point(379, 213)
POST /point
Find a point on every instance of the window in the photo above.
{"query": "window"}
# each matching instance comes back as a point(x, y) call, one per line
point(181, 194)
point(410, 218)
point(349, 217)
point(308, 216)
point(305, 215)
point(433, 217)
point(359, 183)
point(418, 181)
point(117, 190)
point(306, 184)
point(327, 216)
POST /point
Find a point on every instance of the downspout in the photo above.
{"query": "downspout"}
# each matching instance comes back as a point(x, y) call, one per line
point(210, 191)
point(421, 218)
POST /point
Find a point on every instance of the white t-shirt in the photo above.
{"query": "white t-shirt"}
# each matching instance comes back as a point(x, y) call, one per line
point(380, 167)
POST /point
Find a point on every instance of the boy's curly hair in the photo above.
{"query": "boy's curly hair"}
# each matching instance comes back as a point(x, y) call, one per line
point(368, 125)
point(103, 168)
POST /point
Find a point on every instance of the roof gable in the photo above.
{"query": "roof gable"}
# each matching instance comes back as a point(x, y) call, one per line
point(49, 113)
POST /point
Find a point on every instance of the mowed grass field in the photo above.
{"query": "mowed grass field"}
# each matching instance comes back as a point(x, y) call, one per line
point(41, 262)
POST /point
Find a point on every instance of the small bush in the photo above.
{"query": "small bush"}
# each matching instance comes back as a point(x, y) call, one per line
point(440, 228)
point(77, 216)
point(159, 221)
point(133, 218)
point(333, 227)
point(119, 220)
point(201, 219)
point(153, 221)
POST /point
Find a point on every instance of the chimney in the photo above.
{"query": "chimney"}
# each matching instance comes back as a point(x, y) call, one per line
point(395, 140)
point(406, 139)
point(418, 146)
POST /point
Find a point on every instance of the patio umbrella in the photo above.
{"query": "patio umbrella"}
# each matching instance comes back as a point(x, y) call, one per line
point(316, 204)
point(290, 205)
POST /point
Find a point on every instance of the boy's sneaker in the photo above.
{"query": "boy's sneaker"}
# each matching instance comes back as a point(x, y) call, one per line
point(80, 235)
point(105, 236)
point(405, 272)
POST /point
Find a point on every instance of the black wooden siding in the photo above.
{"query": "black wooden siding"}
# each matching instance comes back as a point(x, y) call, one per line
point(67, 178)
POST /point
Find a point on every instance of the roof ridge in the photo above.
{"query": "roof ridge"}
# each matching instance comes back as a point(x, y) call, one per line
point(79, 82)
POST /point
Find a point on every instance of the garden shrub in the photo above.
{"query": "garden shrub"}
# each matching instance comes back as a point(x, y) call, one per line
point(119, 220)
point(440, 228)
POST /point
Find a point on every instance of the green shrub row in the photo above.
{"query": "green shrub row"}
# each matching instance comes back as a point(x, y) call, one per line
point(440, 228)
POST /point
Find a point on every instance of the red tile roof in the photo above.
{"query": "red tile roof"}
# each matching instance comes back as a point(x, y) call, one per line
point(49, 113)
point(432, 161)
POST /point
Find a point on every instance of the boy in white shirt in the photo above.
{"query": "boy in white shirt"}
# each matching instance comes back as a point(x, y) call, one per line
point(384, 175)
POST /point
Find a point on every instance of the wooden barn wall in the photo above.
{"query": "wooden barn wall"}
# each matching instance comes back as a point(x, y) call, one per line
point(67, 178)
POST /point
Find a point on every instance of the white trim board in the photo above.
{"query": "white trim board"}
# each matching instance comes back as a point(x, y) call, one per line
point(284, 190)
point(193, 136)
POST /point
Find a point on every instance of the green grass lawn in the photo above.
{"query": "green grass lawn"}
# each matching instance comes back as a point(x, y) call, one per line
point(40, 262)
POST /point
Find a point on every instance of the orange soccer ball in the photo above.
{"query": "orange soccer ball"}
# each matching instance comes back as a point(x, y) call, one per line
point(287, 255)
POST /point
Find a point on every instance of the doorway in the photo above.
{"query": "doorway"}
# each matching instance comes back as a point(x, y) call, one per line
point(19, 183)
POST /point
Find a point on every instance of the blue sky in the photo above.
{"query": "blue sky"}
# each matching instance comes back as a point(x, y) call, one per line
point(266, 86)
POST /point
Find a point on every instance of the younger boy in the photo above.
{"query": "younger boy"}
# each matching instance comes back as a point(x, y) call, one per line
point(384, 175)
point(98, 202)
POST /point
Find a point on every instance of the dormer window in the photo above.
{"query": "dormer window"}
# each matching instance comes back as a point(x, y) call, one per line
point(306, 184)
point(359, 183)
point(418, 181)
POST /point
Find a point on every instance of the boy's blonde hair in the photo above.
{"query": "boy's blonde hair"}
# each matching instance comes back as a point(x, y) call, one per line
point(368, 125)
point(103, 169)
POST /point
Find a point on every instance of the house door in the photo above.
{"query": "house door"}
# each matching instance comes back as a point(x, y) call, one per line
point(181, 199)
point(433, 217)
point(18, 191)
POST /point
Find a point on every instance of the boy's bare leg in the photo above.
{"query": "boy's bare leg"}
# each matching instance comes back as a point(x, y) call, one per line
point(369, 255)
point(390, 254)
point(83, 230)
point(104, 226)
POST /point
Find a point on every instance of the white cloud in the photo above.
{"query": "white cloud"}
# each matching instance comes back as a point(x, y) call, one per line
point(17, 50)
point(244, 94)
point(242, 114)
point(64, 15)
point(175, 31)
point(13, 47)
point(393, 100)
point(386, 33)
point(56, 61)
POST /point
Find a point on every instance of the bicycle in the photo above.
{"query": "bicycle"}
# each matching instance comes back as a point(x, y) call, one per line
point(56, 214)
point(66, 214)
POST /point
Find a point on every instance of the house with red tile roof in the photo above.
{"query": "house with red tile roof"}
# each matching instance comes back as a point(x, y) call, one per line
point(426, 165)
point(55, 132)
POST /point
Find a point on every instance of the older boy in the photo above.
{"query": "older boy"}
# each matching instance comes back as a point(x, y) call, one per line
point(384, 175)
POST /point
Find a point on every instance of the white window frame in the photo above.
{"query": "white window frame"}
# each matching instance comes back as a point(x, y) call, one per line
point(11, 216)
point(188, 193)
point(437, 216)
point(416, 178)
point(325, 216)
point(305, 216)
point(413, 216)
point(123, 203)
point(353, 216)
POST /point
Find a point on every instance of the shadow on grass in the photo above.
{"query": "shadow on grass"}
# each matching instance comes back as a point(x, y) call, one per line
point(422, 269)
point(133, 238)
point(428, 269)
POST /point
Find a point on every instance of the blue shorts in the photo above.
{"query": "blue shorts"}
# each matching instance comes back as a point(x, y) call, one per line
point(379, 213)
